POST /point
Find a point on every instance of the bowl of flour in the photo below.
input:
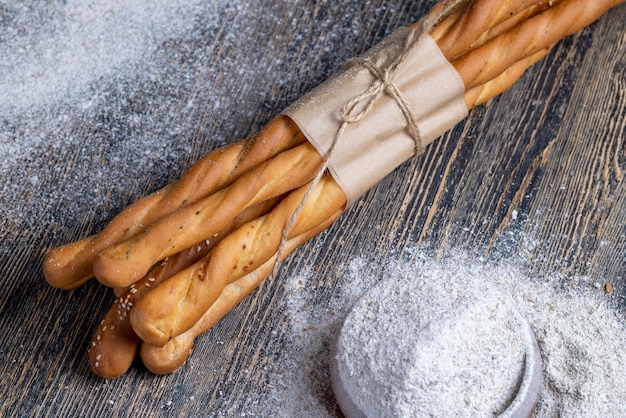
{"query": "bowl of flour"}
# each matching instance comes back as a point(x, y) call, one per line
point(417, 346)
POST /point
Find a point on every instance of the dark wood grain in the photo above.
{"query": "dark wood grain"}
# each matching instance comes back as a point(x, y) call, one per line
point(551, 150)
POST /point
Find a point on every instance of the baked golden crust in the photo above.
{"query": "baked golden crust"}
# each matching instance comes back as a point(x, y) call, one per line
point(172, 355)
point(526, 39)
point(128, 261)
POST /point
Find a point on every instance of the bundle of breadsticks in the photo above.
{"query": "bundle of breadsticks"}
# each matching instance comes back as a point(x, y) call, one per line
point(180, 259)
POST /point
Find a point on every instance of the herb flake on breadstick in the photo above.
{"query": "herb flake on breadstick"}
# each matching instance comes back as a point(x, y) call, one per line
point(123, 263)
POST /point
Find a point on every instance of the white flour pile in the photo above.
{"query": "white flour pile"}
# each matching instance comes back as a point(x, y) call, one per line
point(582, 338)
point(416, 345)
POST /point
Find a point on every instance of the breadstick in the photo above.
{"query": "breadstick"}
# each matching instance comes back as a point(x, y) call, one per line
point(529, 37)
point(478, 95)
point(479, 21)
point(115, 344)
point(489, 42)
point(69, 266)
point(513, 21)
point(500, 83)
point(174, 353)
point(176, 350)
point(126, 262)
point(178, 303)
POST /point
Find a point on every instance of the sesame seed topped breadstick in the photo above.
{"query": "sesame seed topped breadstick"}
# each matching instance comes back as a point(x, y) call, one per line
point(115, 343)
point(180, 301)
point(167, 358)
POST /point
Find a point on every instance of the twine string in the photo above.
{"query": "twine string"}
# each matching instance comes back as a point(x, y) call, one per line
point(360, 107)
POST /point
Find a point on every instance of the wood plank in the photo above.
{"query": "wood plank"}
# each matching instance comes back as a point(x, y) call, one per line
point(550, 150)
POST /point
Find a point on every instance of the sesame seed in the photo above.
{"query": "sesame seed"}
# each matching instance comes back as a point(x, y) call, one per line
point(98, 337)
point(96, 364)
point(133, 290)
point(93, 343)
point(104, 328)
point(112, 327)
point(151, 279)
point(98, 357)
point(147, 284)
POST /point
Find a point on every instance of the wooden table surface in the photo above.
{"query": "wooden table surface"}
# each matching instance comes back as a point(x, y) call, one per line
point(543, 162)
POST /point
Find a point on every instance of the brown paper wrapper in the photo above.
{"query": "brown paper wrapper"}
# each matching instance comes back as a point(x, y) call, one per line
point(371, 148)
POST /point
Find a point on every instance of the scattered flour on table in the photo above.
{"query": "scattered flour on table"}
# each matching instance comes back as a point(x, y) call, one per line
point(56, 51)
point(580, 334)
point(102, 99)
point(80, 105)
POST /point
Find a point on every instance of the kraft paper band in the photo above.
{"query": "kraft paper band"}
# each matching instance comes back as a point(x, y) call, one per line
point(372, 147)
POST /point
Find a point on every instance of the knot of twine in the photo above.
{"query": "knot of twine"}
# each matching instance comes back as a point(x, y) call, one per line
point(350, 113)
point(383, 84)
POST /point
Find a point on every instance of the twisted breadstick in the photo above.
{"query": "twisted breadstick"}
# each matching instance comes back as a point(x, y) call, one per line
point(172, 355)
point(186, 310)
point(179, 302)
point(69, 266)
point(537, 33)
point(474, 23)
point(115, 343)
point(490, 43)
point(126, 262)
